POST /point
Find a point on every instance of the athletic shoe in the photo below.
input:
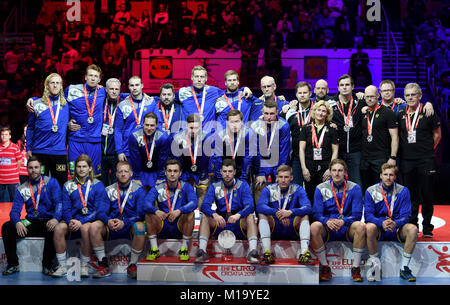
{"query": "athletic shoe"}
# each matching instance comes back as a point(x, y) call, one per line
point(324, 273)
point(132, 271)
point(84, 271)
point(407, 275)
point(253, 257)
point(427, 234)
point(102, 270)
point(47, 271)
point(305, 258)
point(60, 271)
point(202, 257)
point(356, 274)
point(153, 255)
point(267, 258)
point(183, 254)
point(11, 270)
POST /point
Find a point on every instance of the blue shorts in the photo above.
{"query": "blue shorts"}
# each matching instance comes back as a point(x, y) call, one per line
point(237, 228)
point(170, 229)
point(389, 236)
point(124, 233)
point(282, 232)
point(340, 235)
point(93, 150)
point(148, 178)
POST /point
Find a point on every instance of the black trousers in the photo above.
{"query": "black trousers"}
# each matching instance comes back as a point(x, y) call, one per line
point(370, 172)
point(109, 169)
point(56, 165)
point(37, 228)
point(316, 170)
point(418, 176)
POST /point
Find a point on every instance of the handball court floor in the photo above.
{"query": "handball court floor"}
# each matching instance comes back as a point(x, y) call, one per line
point(441, 221)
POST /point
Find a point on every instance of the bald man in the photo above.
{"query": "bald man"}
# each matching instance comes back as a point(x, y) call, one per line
point(321, 91)
point(379, 138)
point(268, 87)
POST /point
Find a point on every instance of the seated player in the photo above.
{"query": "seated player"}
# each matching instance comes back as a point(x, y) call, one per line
point(283, 209)
point(337, 212)
point(83, 199)
point(387, 209)
point(121, 221)
point(41, 196)
point(234, 212)
point(169, 211)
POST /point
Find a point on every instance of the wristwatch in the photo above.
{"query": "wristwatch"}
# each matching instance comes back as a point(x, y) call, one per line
point(393, 157)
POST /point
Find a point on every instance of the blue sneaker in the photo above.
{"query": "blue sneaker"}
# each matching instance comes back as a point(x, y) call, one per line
point(407, 275)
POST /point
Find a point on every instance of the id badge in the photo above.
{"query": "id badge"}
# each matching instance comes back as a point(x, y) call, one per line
point(412, 137)
point(350, 122)
point(317, 154)
point(105, 130)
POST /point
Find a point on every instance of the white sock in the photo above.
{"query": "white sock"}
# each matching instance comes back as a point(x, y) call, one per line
point(153, 241)
point(357, 256)
point(252, 243)
point(100, 253)
point(406, 258)
point(134, 257)
point(61, 258)
point(203, 242)
point(304, 235)
point(85, 260)
point(322, 255)
point(372, 256)
point(186, 240)
point(264, 231)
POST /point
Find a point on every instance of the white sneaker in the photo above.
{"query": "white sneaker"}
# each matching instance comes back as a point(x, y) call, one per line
point(84, 270)
point(60, 271)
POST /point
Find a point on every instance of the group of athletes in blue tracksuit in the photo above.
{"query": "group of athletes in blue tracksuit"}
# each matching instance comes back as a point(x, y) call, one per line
point(162, 173)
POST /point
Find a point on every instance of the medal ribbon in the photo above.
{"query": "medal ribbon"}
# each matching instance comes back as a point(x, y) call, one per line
point(230, 141)
point(285, 198)
point(121, 206)
point(228, 205)
point(415, 121)
point(370, 122)
point(174, 197)
point(50, 107)
point(300, 117)
point(167, 118)
point(390, 208)
point(106, 110)
point(136, 118)
point(340, 207)
point(347, 118)
point(272, 134)
point(89, 109)
point(200, 109)
point(152, 148)
point(83, 200)
point(229, 103)
point(315, 142)
point(36, 201)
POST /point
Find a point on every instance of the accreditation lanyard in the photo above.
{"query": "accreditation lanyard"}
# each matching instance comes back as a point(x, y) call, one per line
point(230, 141)
point(84, 200)
point(349, 112)
point(89, 109)
point(36, 201)
point(228, 204)
point(229, 103)
point(370, 121)
point(272, 133)
point(392, 106)
point(136, 117)
point(175, 197)
point(109, 111)
point(199, 108)
point(50, 107)
point(121, 206)
point(304, 120)
point(286, 199)
point(315, 142)
point(389, 207)
point(152, 148)
point(415, 122)
point(193, 156)
point(341, 206)
point(167, 117)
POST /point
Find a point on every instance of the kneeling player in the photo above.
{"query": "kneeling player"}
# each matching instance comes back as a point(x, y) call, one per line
point(337, 212)
point(121, 221)
point(234, 212)
point(387, 211)
point(283, 209)
point(169, 211)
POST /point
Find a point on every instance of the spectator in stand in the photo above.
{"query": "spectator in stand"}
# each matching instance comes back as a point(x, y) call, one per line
point(122, 16)
point(208, 42)
point(440, 57)
point(428, 45)
point(249, 61)
point(272, 56)
point(285, 20)
point(146, 20)
point(30, 71)
point(344, 38)
point(84, 57)
point(168, 39)
point(161, 17)
point(68, 57)
point(187, 16)
point(230, 46)
point(16, 92)
point(287, 37)
point(187, 41)
point(11, 62)
point(10, 163)
point(201, 18)
point(112, 48)
point(370, 40)
point(359, 68)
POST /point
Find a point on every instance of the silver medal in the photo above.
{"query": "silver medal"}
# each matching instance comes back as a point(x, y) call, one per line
point(346, 128)
point(194, 168)
point(110, 130)
point(90, 120)
point(149, 164)
point(202, 118)
point(55, 128)
point(369, 138)
point(85, 211)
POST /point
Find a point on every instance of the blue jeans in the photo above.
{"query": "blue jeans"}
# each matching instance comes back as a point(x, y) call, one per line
point(353, 161)
point(7, 192)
